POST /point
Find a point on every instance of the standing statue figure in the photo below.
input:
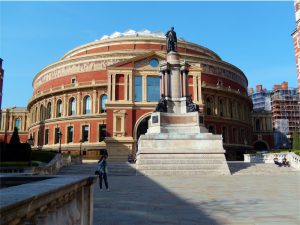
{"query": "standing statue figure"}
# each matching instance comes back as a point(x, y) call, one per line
point(171, 40)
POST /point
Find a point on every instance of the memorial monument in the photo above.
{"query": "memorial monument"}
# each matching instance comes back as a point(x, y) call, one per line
point(176, 142)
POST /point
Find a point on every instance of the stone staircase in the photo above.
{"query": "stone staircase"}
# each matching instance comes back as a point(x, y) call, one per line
point(114, 169)
point(170, 166)
point(242, 168)
point(182, 164)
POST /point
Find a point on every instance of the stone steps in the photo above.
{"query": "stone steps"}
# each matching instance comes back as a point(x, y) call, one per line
point(181, 161)
point(114, 169)
point(241, 168)
point(194, 172)
point(179, 166)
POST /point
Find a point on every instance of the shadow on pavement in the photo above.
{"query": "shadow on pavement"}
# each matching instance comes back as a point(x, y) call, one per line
point(236, 166)
point(141, 200)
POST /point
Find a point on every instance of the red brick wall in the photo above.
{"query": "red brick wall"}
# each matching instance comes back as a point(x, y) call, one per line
point(119, 87)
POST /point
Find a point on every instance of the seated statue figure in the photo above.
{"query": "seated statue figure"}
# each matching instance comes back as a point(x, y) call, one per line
point(190, 106)
point(162, 105)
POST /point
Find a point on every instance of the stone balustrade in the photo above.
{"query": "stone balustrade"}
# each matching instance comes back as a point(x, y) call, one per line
point(269, 158)
point(63, 200)
point(53, 166)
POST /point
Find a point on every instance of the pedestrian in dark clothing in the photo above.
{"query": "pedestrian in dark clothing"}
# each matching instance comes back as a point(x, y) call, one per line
point(102, 168)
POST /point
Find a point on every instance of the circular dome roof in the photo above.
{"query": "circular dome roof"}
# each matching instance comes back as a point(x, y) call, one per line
point(133, 33)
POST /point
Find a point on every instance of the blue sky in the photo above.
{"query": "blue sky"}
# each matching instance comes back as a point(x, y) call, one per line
point(254, 36)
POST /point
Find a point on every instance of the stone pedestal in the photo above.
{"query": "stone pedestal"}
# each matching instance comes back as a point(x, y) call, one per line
point(176, 142)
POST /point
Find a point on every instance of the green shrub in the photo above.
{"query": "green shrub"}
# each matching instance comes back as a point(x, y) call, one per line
point(42, 156)
point(296, 141)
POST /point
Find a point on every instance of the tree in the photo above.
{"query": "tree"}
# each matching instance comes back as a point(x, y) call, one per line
point(296, 141)
point(15, 139)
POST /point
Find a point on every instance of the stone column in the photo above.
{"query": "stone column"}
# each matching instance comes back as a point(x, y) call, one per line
point(10, 122)
point(184, 84)
point(78, 103)
point(126, 87)
point(166, 82)
point(144, 88)
point(94, 102)
point(109, 87)
point(65, 103)
point(216, 105)
point(113, 87)
point(199, 89)
point(162, 91)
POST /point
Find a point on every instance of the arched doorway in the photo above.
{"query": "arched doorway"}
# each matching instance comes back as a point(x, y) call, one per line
point(141, 128)
point(261, 146)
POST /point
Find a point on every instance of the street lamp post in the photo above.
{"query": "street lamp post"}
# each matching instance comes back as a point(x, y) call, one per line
point(30, 142)
point(81, 141)
point(59, 136)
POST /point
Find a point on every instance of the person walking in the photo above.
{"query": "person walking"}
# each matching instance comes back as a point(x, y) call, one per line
point(102, 168)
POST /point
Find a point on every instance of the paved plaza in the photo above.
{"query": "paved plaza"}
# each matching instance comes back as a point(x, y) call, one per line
point(215, 200)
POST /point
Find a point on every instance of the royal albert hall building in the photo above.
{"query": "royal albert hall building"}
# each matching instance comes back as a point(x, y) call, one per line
point(99, 96)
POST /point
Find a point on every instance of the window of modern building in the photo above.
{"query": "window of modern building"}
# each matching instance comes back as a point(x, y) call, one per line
point(59, 108)
point(153, 89)
point(48, 111)
point(56, 135)
point(102, 132)
point(87, 105)
point(72, 107)
point(70, 134)
point(103, 100)
point(18, 123)
point(138, 90)
point(46, 136)
point(208, 106)
point(85, 133)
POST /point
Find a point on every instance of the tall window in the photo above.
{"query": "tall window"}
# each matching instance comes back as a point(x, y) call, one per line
point(42, 113)
point(230, 109)
point(153, 89)
point(46, 136)
point(18, 123)
point(87, 105)
point(56, 135)
point(103, 100)
point(235, 135)
point(102, 132)
point(36, 114)
point(59, 108)
point(70, 134)
point(138, 91)
point(208, 107)
point(72, 107)
point(221, 107)
point(224, 134)
point(257, 125)
point(48, 111)
point(85, 133)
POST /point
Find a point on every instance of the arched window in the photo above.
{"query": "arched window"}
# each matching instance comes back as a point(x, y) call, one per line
point(87, 105)
point(42, 113)
point(208, 106)
point(257, 125)
point(36, 114)
point(59, 108)
point(18, 123)
point(72, 107)
point(103, 100)
point(48, 113)
point(221, 107)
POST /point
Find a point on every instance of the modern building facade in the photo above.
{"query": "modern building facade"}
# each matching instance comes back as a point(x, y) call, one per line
point(285, 114)
point(263, 135)
point(99, 96)
point(296, 40)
